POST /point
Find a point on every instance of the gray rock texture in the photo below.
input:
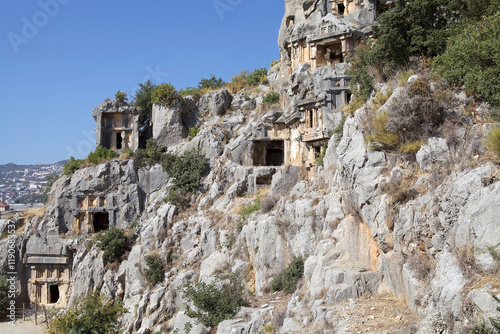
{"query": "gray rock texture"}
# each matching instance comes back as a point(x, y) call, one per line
point(215, 103)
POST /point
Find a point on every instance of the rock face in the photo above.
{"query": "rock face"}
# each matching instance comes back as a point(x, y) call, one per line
point(168, 128)
point(215, 103)
point(389, 245)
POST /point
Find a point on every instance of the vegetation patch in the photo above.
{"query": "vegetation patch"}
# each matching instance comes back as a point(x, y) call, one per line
point(155, 271)
point(193, 132)
point(214, 302)
point(247, 209)
point(113, 242)
point(91, 314)
point(188, 169)
point(287, 280)
point(493, 142)
point(99, 156)
point(143, 100)
point(166, 95)
point(319, 159)
point(271, 98)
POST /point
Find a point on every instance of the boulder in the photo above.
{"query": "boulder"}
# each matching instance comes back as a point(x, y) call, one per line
point(434, 153)
point(215, 103)
point(168, 128)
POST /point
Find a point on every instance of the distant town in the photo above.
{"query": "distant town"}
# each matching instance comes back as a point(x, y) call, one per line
point(26, 184)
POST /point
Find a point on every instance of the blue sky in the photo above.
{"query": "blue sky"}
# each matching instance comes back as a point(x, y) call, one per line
point(60, 58)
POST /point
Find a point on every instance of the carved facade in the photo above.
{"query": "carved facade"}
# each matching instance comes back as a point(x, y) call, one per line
point(50, 279)
point(334, 39)
point(91, 213)
point(117, 125)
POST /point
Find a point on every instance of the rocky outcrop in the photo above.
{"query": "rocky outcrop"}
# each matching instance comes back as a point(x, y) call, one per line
point(215, 103)
point(410, 243)
point(168, 128)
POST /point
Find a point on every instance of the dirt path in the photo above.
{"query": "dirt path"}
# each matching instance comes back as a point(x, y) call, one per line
point(22, 327)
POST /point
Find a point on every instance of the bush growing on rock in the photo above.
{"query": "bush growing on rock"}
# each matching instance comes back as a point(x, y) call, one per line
point(257, 77)
point(473, 59)
point(287, 280)
point(178, 198)
point(193, 131)
point(151, 155)
point(72, 165)
point(91, 314)
point(493, 142)
point(216, 301)
point(271, 98)
point(165, 94)
point(156, 269)
point(188, 169)
point(113, 243)
point(100, 155)
point(211, 83)
point(143, 100)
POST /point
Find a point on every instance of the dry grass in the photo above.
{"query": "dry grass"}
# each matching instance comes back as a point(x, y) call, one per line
point(421, 265)
point(382, 313)
point(30, 213)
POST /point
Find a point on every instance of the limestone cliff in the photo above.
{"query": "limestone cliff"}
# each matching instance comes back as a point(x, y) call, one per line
point(392, 243)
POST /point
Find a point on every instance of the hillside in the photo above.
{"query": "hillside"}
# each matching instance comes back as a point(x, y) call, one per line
point(295, 205)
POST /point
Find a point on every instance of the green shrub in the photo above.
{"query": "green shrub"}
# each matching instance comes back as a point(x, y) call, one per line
point(121, 96)
point(151, 155)
point(361, 81)
point(143, 100)
point(165, 94)
point(238, 82)
point(380, 99)
point(493, 142)
point(411, 147)
point(288, 278)
point(51, 178)
point(403, 76)
point(167, 162)
point(319, 159)
point(156, 269)
point(338, 132)
point(358, 100)
point(177, 198)
point(378, 136)
point(271, 98)
point(113, 243)
point(473, 59)
point(257, 77)
point(188, 169)
point(211, 83)
point(72, 166)
point(247, 209)
point(419, 87)
point(214, 302)
point(191, 91)
point(100, 155)
point(193, 131)
point(4, 301)
point(91, 314)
